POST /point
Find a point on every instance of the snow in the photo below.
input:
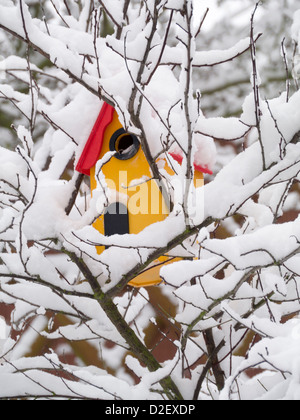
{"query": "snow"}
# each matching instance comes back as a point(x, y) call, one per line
point(205, 59)
point(3, 334)
point(279, 351)
point(244, 280)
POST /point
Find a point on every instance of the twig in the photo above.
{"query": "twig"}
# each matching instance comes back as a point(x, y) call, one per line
point(78, 182)
point(258, 112)
point(162, 48)
point(202, 22)
point(212, 357)
point(282, 148)
point(286, 64)
point(188, 11)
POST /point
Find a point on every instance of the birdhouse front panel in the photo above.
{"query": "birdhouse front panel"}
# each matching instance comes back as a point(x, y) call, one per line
point(128, 177)
point(134, 198)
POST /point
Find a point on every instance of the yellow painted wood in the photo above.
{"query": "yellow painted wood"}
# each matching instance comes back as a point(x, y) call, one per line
point(130, 183)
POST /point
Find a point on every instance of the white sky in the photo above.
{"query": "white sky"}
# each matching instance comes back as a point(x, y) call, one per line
point(200, 7)
point(241, 7)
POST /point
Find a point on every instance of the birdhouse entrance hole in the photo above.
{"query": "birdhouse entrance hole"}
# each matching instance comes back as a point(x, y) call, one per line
point(126, 145)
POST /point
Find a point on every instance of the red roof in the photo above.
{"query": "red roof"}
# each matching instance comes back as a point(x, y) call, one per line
point(92, 150)
point(199, 168)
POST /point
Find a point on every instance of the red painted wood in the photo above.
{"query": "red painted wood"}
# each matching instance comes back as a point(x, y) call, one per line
point(93, 147)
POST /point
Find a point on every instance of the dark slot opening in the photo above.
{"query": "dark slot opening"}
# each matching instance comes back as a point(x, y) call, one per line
point(116, 220)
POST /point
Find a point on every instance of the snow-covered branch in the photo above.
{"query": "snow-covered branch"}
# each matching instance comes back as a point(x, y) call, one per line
point(230, 294)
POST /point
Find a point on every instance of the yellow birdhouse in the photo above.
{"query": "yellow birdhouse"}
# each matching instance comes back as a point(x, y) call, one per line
point(136, 200)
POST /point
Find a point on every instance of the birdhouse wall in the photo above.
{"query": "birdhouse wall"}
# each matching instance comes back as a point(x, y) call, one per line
point(129, 183)
point(134, 199)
